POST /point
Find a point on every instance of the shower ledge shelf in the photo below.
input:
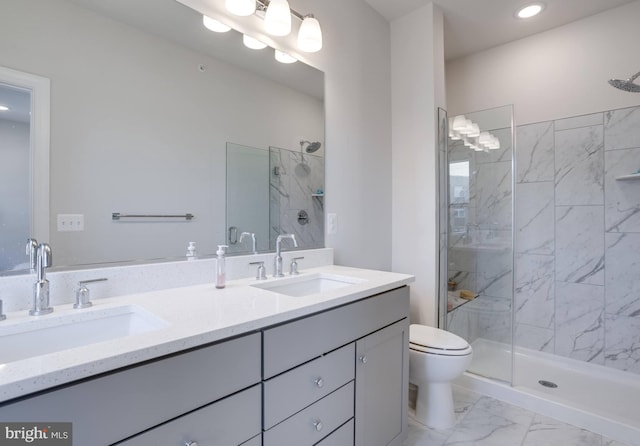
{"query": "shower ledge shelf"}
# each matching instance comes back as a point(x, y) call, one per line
point(633, 176)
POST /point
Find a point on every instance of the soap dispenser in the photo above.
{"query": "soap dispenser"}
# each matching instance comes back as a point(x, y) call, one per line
point(220, 267)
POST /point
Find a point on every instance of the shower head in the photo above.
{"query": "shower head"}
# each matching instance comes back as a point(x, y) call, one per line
point(311, 146)
point(626, 85)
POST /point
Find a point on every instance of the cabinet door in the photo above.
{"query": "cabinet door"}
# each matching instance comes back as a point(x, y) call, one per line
point(382, 373)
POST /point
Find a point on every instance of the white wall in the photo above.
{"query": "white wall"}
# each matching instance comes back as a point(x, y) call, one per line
point(417, 62)
point(559, 73)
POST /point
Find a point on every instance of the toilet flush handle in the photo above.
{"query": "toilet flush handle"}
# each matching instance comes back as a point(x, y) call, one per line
point(363, 359)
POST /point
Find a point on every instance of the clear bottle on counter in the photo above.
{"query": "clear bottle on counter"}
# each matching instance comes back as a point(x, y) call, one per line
point(192, 254)
point(220, 267)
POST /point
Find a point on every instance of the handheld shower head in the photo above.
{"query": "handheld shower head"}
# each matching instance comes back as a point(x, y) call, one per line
point(626, 85)
point(311, 146)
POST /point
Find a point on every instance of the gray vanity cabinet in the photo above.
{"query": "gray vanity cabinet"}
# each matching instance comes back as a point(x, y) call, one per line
point(382, 368)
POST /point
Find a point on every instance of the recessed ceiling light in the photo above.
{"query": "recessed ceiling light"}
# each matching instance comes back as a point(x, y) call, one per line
point(530, 10)
point(4, 108)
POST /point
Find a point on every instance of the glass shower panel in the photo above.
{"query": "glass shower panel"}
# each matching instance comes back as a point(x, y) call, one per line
point(479, 292)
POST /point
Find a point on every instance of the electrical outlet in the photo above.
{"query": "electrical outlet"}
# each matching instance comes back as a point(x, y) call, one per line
point(70, 222)
point(332, 223)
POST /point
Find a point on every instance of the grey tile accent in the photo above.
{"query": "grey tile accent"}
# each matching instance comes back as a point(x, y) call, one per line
point(579, 166)
point(534, 153)
point(622, 198)
point(580, 244)
point(621, 128)
point(580, 321)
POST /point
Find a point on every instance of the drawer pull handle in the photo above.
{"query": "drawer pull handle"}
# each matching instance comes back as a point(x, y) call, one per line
point(319, 382)
point(318, 425)
point(363, 359)
point(191, 443)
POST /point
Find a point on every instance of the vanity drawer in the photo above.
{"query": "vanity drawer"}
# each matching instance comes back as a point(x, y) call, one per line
point(312, 424)
point(294, 343)
point(230, 421)
point(342, 437)
point(144, 396)
point(296, 389)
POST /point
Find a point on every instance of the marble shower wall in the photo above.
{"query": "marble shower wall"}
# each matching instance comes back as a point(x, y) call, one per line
point(296, 183)
point(578, 238)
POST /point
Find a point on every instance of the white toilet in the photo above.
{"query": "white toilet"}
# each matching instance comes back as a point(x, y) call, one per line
point(436, 357)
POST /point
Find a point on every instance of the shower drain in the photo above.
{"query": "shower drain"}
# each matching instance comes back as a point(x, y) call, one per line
point(548, 384)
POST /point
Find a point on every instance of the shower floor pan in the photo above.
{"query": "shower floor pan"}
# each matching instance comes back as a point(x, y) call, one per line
point(601, 399)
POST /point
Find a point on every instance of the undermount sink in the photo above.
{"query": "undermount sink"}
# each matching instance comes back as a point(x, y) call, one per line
point(54, 333)
point(305, 285)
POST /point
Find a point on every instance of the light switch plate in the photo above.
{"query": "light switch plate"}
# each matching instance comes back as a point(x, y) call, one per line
point(332, 223)
point(70, 222)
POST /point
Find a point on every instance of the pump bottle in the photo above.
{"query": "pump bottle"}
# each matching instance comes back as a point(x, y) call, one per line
point(220, 267)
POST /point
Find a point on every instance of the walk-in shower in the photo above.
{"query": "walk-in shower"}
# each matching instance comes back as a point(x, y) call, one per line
point(538, 263)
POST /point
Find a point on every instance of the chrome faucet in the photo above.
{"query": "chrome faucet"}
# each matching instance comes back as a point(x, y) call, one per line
point(277, 270)
point(32, 250)
point(253, 240)
point(41, 287)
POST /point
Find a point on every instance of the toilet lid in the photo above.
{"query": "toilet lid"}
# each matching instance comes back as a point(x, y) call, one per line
point(434, 338)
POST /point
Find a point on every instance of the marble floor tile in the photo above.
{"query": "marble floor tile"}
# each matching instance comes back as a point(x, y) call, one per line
point(482, 420)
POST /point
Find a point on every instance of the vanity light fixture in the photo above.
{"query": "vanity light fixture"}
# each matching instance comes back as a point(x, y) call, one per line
point(529, 11)
point(242, 8)
point(283, 57)
point(214, 25)
point(461, 128)
point(4, 108)
point(277, 20)
point(253, 43)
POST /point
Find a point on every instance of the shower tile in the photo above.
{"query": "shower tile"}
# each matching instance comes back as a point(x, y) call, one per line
point(535, 338)
point(621, 278)
point(622, 343)
point(547, 431)
point(579, 121)
point(504, 153)
point(622, 198)
point(493, 195)
point(535, 294)
point(495, 273)
point(579, 166)
point(580, 244)
point(535, 161)
point(580, 321)
point(621, 128)
point(535, 214)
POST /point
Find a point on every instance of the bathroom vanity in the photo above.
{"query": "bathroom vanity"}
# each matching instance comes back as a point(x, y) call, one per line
point(327, 368)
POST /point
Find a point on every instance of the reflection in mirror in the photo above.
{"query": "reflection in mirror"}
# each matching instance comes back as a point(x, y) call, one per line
point(143, 104)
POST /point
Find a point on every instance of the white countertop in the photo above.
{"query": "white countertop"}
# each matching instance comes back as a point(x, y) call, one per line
point(196, 315)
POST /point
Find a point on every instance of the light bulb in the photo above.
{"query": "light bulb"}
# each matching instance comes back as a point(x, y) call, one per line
point(252, 43)
point(241, 7)
point(277, 20)
point(459, 123)
point(530, 11)
point(310, 35)
point(4, 108)
point(214, 25)
point(283, 57)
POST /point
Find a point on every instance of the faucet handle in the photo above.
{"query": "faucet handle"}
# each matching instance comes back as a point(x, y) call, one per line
point(32, 252)
point(294, 266)
point(83, 293)
point(2, 315)
point(261, 274)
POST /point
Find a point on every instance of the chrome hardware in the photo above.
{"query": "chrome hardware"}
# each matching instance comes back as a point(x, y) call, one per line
point(261, 274)
point(303, 217)
point(319, 382)
point(253, 240)
point(294, 266)
point(32, 250)
point(233, 235)
point(318, 425)
point(2, 315)
point(277, 270)
point(191, 443)
point(118, 216)
point(83, 293)
point(363, 359)
point(41, 287)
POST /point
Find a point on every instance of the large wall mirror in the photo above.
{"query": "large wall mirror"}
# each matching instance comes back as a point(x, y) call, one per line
point(144, 102)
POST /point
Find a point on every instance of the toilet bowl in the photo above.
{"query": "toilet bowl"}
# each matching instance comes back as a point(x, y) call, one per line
point(436, 357)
